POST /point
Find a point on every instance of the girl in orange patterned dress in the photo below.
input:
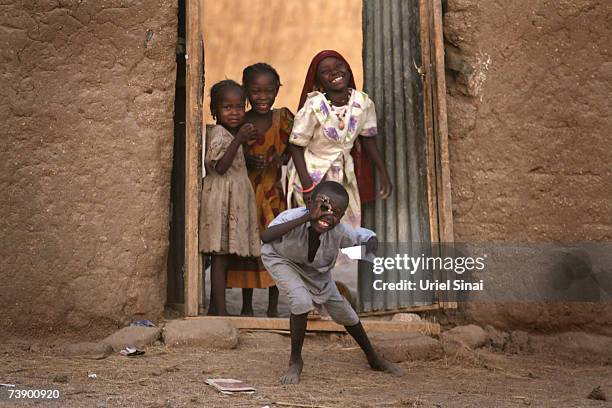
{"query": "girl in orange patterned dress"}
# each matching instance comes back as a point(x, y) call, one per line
point(264, 161)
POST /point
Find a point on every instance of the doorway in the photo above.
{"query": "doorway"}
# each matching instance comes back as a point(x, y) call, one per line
point(253, 33)
point(424, 60)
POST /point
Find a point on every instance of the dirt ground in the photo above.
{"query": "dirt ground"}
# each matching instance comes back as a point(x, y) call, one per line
point(335, 375)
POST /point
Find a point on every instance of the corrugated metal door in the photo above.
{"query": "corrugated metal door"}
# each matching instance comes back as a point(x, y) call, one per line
point(391, 55)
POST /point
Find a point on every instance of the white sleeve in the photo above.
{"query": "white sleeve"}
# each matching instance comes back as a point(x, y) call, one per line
point(354, 236)
point(304, 124)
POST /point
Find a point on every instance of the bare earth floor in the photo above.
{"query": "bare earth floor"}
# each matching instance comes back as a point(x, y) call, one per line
point(335, 375)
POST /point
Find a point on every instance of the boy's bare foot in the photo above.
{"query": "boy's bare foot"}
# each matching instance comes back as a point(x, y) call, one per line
point(380, 364)
point(292, 376)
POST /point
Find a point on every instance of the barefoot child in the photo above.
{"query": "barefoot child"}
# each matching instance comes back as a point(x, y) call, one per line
point(264, 161)
point(228, 213)
point(300, 249)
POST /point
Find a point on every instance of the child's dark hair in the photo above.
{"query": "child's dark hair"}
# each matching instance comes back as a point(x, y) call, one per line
point(331, 188)
point(217, 91)
point(250, 72)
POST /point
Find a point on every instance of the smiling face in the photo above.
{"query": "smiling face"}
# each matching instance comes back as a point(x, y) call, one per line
point(337, 204)
point(230, 110)
point(262, 91)
point(333, 75)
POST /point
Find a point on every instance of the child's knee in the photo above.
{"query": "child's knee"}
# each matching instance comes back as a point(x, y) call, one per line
point(344, 316)
point(300, 301)
point(301, 307)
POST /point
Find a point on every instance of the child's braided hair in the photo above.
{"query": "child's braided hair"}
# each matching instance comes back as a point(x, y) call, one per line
point(257, 69)
point(216, 93)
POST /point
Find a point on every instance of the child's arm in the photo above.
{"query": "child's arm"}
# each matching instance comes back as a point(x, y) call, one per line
point(275, 232)
point(286, 127)
point(358, 236)
point(245, 134)
point(302, 132)
point(254, 161)
point(372, 244)
point(369, 145)
point(297, 154)
point(225, 162)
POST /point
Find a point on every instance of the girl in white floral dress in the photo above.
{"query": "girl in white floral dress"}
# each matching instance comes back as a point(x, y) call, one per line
point(333, 115)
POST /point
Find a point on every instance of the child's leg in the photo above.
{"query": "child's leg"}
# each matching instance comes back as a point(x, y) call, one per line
point(205, 265)
point(341, 311)
point(297, 324)
point(272, 301)
point(376, 362)
point(218, 271)
point(288, 280)
point(247, 302)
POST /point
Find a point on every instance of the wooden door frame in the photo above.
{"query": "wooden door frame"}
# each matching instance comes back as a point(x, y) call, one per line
point(436, 129)
point(194, 41)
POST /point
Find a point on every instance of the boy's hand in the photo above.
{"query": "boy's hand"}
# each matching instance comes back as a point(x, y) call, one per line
point(372, 245)
point(321, 208)
point(246, 134)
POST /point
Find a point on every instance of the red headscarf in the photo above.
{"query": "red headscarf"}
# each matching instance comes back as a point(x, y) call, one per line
point(363, 167)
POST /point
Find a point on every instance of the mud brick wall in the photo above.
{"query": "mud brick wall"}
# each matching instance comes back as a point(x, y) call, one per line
point(529, 127)
point(86, 108)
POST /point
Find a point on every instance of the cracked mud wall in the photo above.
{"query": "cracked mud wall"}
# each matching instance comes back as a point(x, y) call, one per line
point(86, 108)
point(530, 128)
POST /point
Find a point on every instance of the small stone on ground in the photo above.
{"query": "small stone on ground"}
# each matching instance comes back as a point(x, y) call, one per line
point(138, 336)
point(460, 337)
point(398, 347)
point(406, 317)
point(214, 334)
point(94, 351)
point(597, 394)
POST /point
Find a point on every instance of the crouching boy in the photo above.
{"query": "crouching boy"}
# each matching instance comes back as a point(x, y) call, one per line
point(300, 249)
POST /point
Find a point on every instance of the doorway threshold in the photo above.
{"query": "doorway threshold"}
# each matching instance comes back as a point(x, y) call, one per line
point(282, 323)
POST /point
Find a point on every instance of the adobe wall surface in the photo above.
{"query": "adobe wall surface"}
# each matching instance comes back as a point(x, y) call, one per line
point(529, 134)
point(86, 108)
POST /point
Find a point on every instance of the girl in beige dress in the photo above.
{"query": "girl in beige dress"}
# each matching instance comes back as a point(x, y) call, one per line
point(228, 212)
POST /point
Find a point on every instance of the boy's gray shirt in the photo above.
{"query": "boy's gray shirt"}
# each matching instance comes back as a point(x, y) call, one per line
point(293, 247)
